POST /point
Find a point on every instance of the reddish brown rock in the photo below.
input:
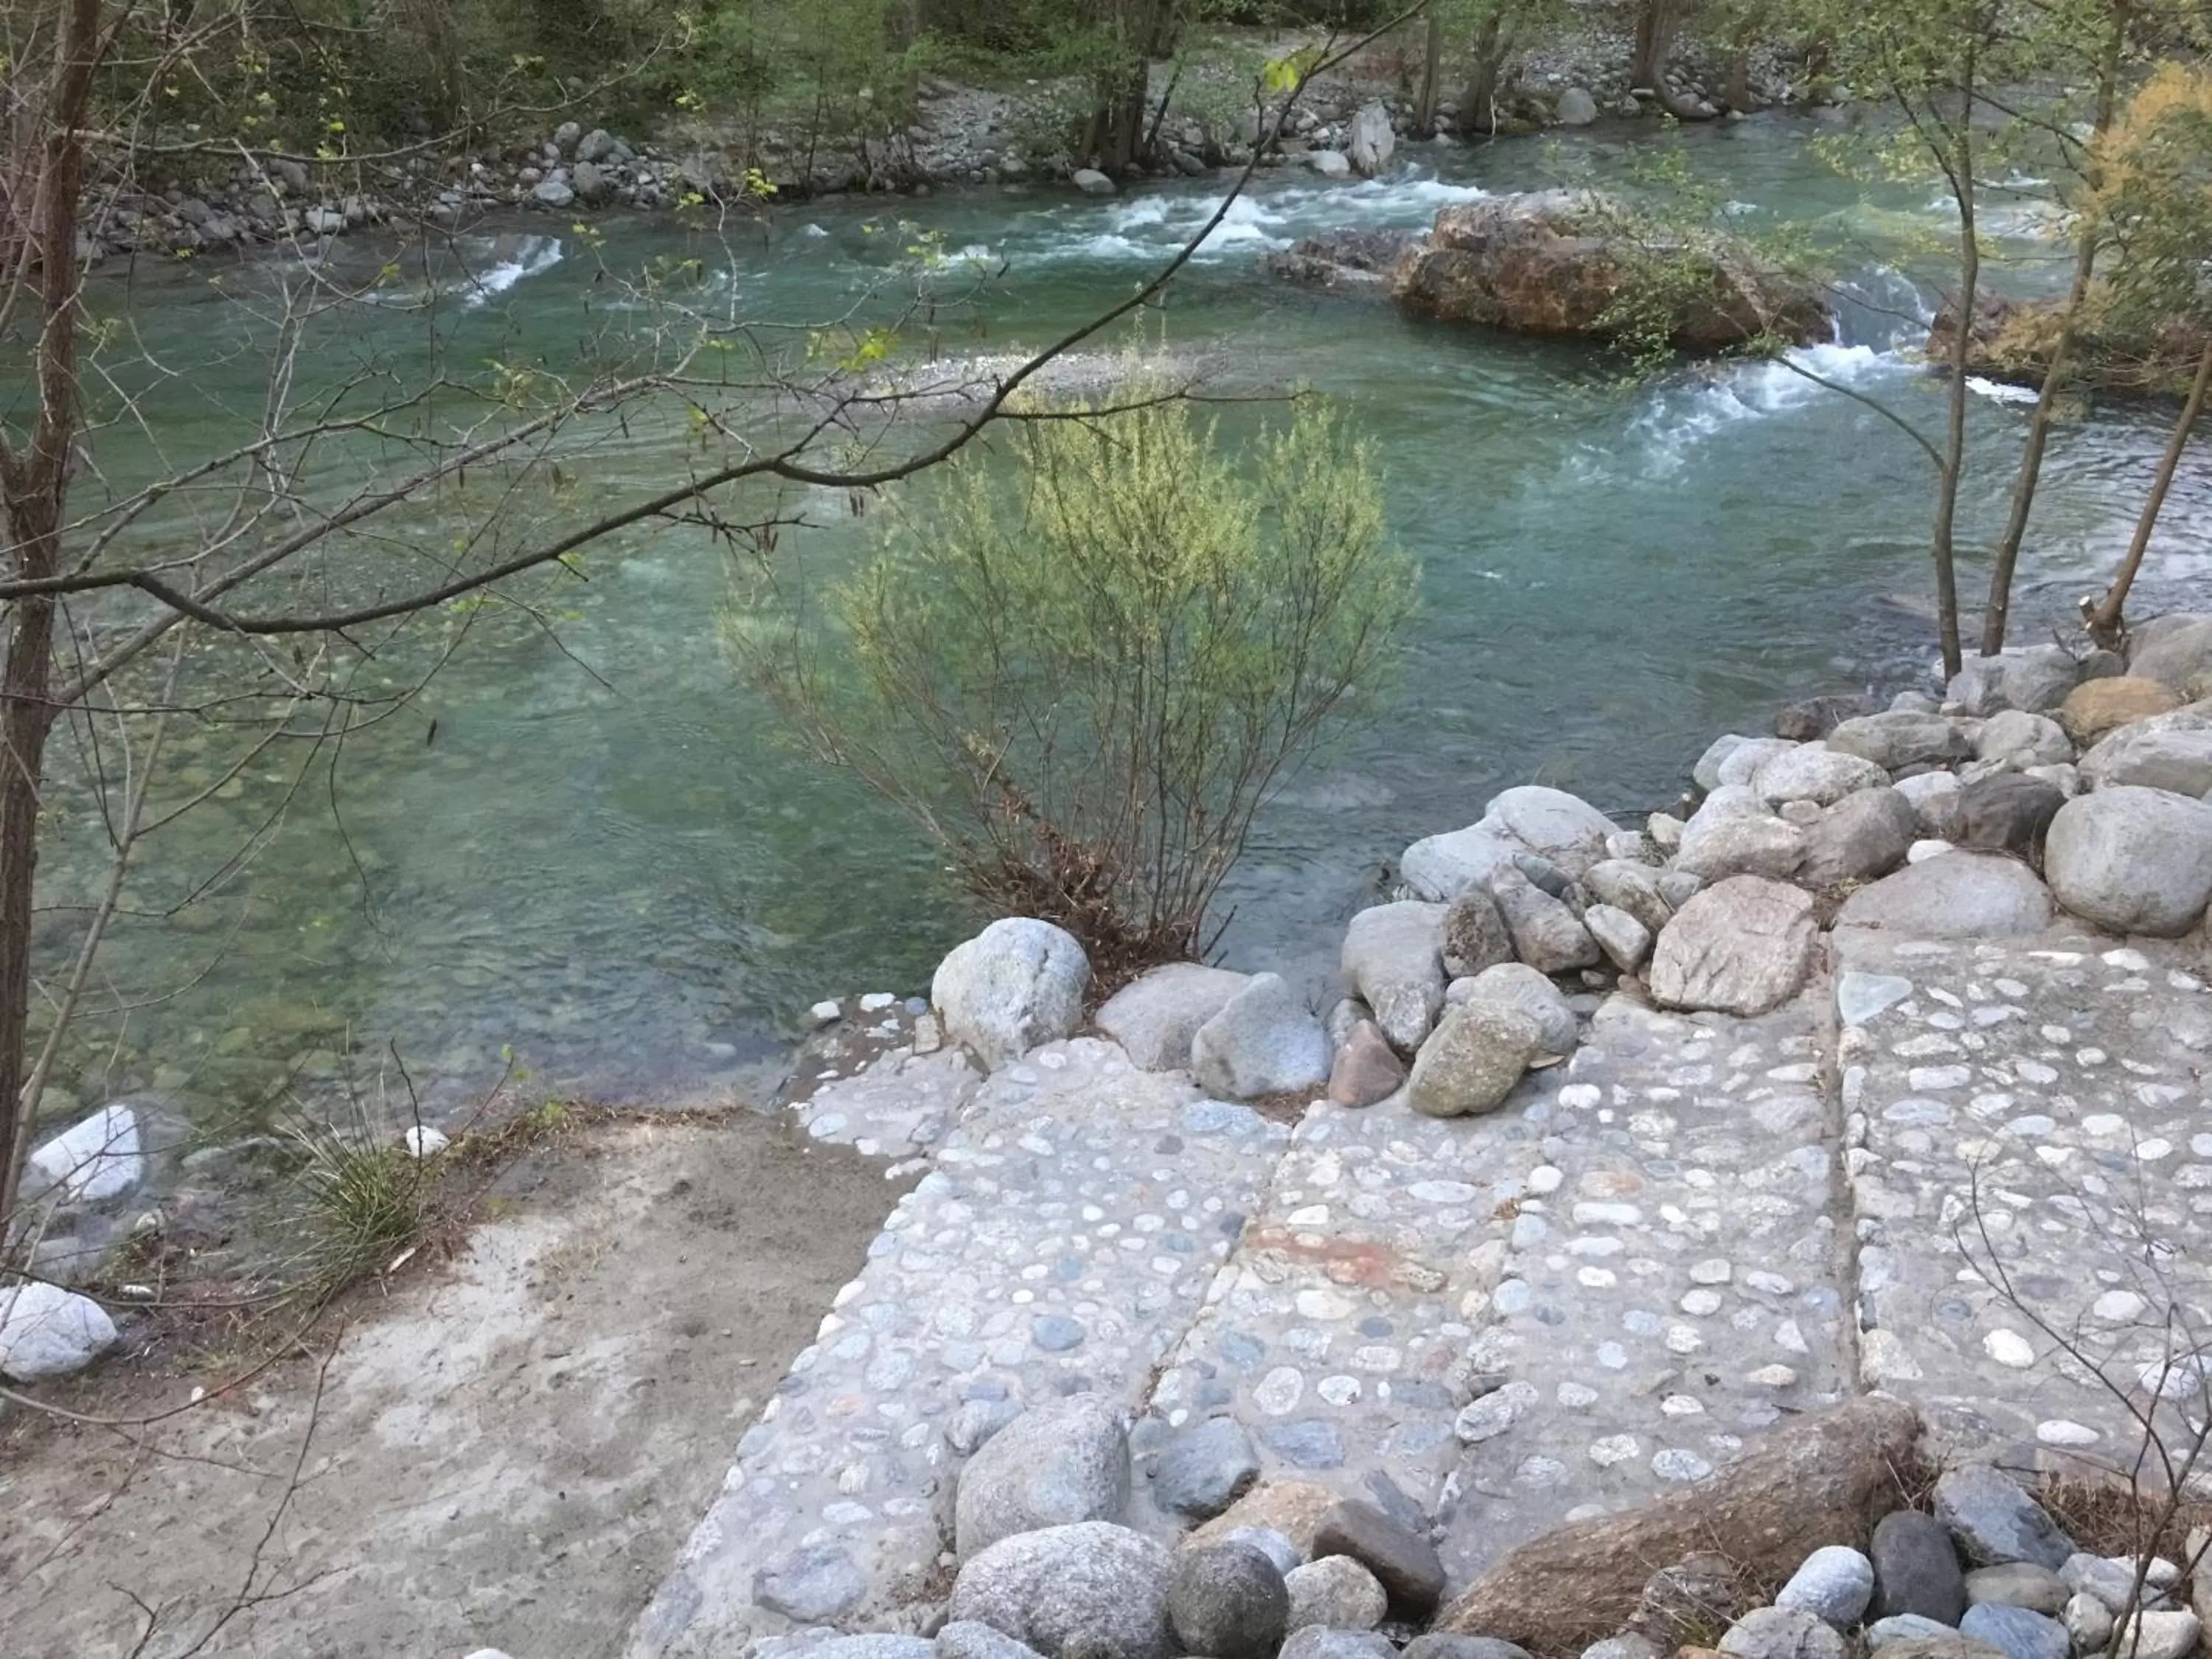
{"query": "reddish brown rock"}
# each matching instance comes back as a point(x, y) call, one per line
point(1366, 1070)
point(1824, 1480)
point(2096, 707)
point(1556, 262)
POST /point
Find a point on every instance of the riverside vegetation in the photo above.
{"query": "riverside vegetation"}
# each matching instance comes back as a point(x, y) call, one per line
point(1109, 628)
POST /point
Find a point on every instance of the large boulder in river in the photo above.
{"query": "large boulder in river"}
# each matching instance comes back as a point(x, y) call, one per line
point(1355, 258)
point(1561, 261)
point(1155, 1016)
point(1372, 143)
point(1820, 1480)
point(1444, 867)
point(1018, 983)
point(2133, 859)
point(1742, 946)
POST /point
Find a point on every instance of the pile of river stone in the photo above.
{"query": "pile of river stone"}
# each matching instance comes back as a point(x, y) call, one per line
point(1059, 1553)
point(1989, 1574)
point(2040, 781)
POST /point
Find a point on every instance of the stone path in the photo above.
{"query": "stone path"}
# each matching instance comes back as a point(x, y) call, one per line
point(1074, 1220)
point(1699, 1226)
point(1671, 1283)
point(2031, 1162)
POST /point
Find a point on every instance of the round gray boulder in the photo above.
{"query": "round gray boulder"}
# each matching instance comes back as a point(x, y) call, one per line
point(1016, 984)
point(1087, 1591)
point(1061, 1461)
point(1265, 1040)
point(1816, 773)
point(1563, 828)
point(2133, 859)
point(1155, 1016)
point(1227, 1602)
point(1392, 959)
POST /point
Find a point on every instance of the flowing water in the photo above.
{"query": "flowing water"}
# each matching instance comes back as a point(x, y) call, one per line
point(601, 859)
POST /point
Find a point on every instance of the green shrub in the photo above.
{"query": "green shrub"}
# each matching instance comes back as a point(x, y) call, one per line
point(1086, 671)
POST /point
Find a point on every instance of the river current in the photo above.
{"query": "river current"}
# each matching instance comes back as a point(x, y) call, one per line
point(603, 862)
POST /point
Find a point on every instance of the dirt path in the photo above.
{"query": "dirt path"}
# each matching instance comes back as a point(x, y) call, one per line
point(507, 1451)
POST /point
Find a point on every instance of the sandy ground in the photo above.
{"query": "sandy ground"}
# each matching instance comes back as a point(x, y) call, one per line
point(506, 1448)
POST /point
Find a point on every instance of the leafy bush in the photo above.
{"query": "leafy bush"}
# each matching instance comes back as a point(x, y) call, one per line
point(1085, 674)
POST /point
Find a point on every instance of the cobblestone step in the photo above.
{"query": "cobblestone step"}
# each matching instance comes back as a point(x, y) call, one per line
point(1065, 1238)
point(2030, 1151)
point(1671, 1281)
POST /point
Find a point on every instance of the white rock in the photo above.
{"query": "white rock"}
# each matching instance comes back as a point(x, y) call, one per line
point(423, 1141)
point(1330, 163)
point(1016, 984)
point(1922, 851)
point(1553, 824)
point(1626, 940)
point(1816, 773)
point(47, 1331)
point(1092, 182)
point(1372, 142)
point(99, 1158)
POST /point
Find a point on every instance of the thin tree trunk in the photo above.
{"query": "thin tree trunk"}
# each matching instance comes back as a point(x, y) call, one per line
point(1432, 53)
point(1654, 42)
point(33, 492)
point(2103, 622)
point(1475, 114)
point(1998, 613)
point(1955, 444)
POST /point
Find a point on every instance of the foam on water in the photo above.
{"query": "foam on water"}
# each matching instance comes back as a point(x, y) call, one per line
point(1681, 418)
point(1271, 216)
point(532, 256)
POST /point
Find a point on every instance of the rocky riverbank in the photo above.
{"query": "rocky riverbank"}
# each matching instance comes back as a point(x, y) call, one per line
point(1622, 1148)
point(958, 136)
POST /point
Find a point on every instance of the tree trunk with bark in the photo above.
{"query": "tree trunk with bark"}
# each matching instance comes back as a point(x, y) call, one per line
point(2105, 619)
point(33, 498)
point(1998, 613)
point(1656, 24)
point(1477, 104)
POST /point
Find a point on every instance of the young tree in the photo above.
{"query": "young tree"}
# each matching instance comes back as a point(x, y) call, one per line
point(1084, 683)
point(2154, 205)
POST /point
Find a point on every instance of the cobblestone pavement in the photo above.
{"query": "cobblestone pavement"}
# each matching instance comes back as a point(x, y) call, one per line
point(2031, 1177)
point(1938, 1170)
point(1341, 1336)
point(1065, 1239)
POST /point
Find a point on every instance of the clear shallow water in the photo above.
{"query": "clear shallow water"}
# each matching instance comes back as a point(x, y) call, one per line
point(604, 859)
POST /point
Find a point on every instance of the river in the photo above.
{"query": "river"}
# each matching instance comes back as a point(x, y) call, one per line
point(602, 861)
